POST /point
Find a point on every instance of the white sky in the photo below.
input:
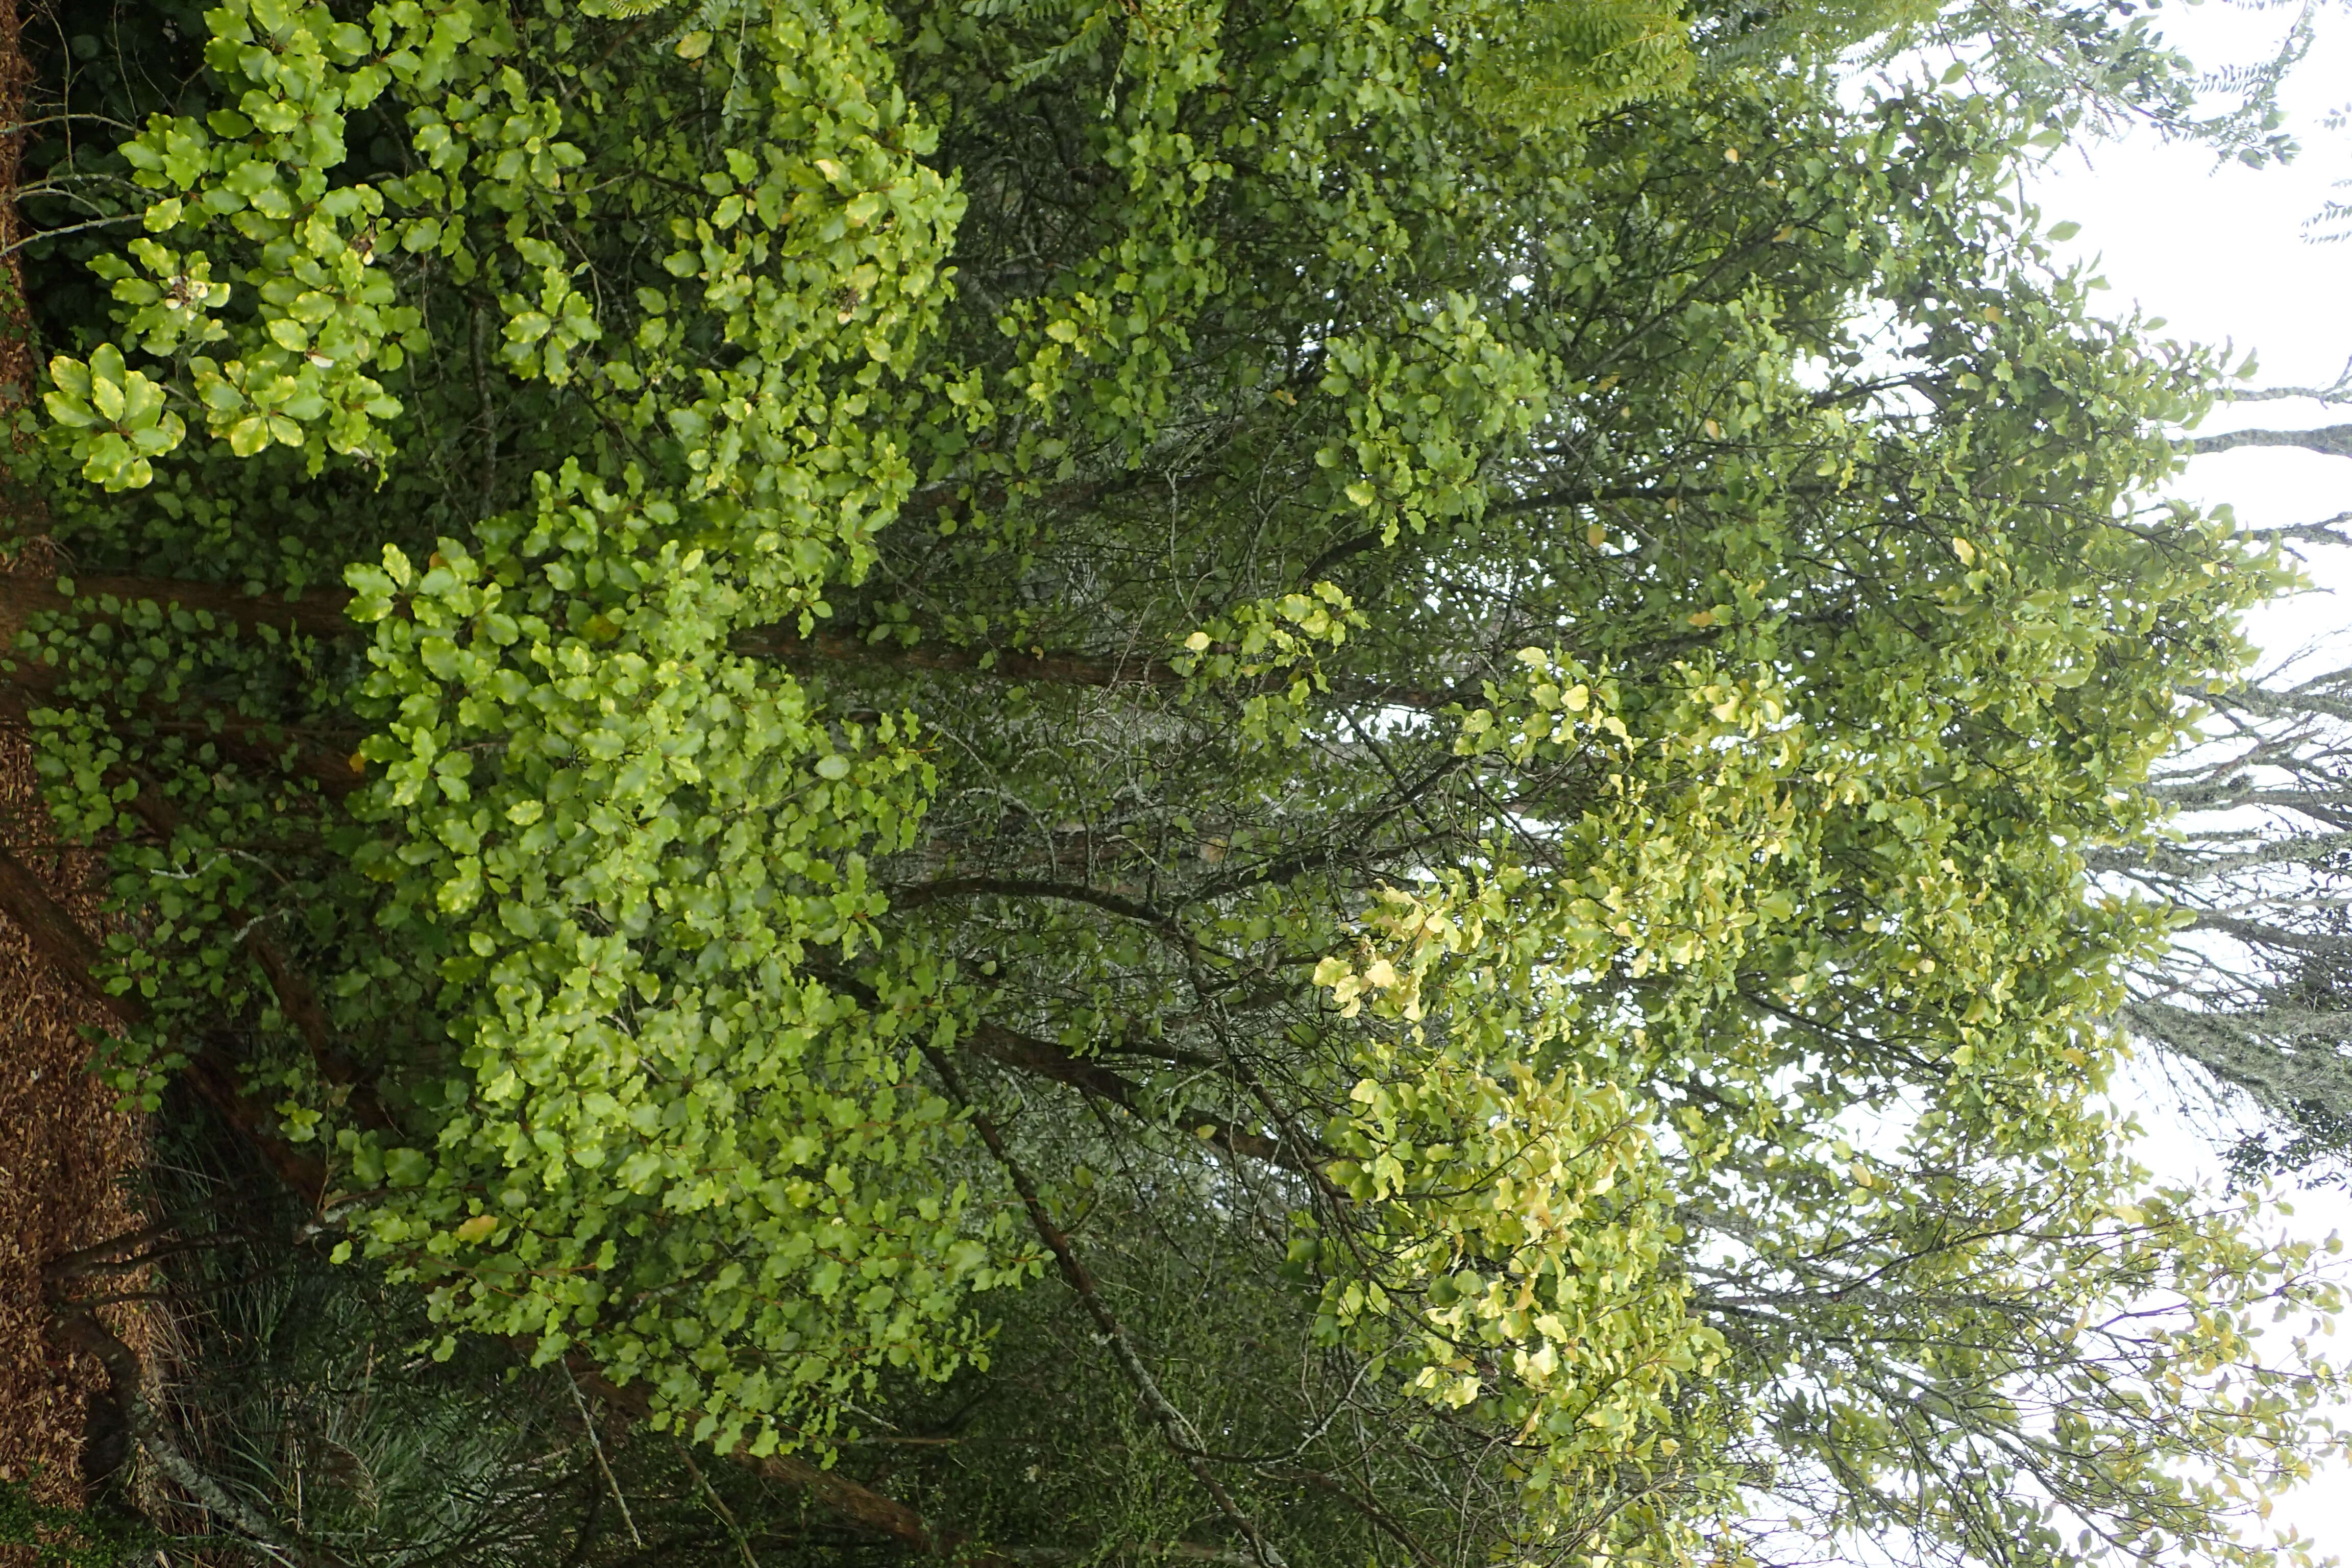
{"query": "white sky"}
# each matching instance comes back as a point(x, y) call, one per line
point(2219, 253)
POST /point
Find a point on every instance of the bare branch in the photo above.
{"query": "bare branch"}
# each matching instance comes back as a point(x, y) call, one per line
point(1174, 1426)
point(2337, 391)
point(2333, 440)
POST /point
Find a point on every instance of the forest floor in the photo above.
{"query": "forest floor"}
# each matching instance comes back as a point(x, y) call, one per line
point(68, 1160)
point(67, 1156)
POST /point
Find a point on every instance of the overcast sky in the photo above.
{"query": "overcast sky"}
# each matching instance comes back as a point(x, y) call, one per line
point(2220, 254)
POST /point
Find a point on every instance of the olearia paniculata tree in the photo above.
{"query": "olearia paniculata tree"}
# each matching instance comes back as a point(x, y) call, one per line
point(1324, 763)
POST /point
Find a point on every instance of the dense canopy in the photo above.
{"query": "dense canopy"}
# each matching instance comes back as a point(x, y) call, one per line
point(1318, 770)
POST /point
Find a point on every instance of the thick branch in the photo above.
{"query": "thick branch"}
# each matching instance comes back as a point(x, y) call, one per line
point(72, 952)
point(2340, 392)
point(80, 1326)
point(1042, 1058)
point(868, 1509)
point(296, 999)
point(2327, 531)
point(317, 613)
point(1171, 1551)
point(24, 597)
point(1046, 669)
point(321, 613)
point(74, 955)
point(919, 893)
point(2333, 440)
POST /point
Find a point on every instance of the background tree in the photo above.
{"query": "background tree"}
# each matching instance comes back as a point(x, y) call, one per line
point(1308, 781)
point(2253, 991)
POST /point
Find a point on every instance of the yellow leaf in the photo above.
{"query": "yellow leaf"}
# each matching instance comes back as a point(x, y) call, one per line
point(477, 1229)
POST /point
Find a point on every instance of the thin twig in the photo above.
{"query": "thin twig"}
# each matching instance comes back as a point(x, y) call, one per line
point(69, 228)
point(710, 1495)
point(1174, 1425)
point(597, 1447)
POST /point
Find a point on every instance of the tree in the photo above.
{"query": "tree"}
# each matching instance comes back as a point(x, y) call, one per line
point(1243, 751)
point(2252, 992)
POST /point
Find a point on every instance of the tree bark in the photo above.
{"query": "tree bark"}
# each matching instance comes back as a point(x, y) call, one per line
point(268, 1538)
point(2332, 440)
point(321, 613)
point(317, 613)
point(58, 937)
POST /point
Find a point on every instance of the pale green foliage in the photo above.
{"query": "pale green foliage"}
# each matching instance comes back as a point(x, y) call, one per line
point(627, 900)
point(1553, 1187)
point(120, 410)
